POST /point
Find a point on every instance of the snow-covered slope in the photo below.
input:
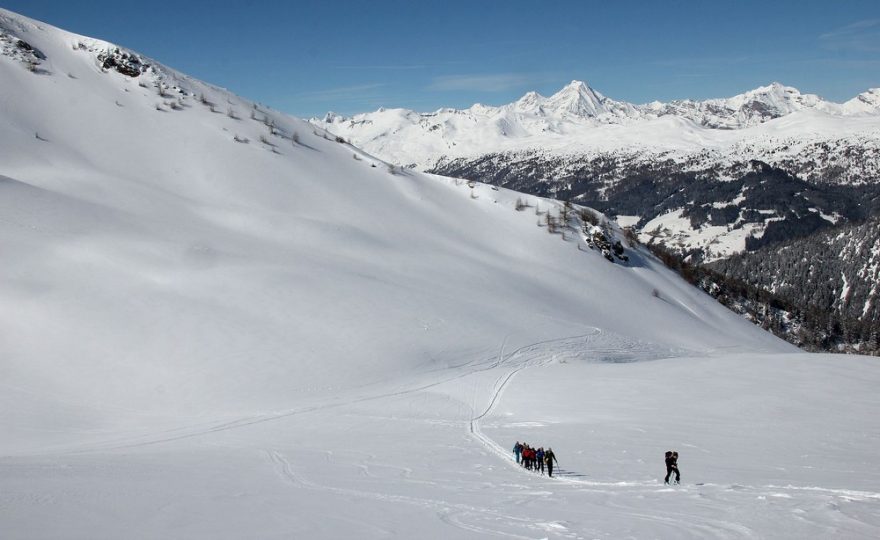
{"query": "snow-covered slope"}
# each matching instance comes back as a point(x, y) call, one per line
point(578, 120)
point(219, 322)
point(184, 225)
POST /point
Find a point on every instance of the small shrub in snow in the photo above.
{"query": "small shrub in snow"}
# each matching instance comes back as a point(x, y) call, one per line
point(588, 216)
point(631, 236)
point(243, 140)
point(551, 223)
point(565, 213)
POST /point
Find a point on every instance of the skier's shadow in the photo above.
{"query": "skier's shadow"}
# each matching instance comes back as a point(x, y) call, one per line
point(568, 474)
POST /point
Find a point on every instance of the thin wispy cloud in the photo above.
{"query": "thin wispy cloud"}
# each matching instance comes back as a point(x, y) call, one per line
point(863, 36)
point(386, 67)
point(704, 62)
point(498, 82)
point(343, 93)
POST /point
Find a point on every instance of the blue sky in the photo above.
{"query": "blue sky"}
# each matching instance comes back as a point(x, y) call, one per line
point(308, 57)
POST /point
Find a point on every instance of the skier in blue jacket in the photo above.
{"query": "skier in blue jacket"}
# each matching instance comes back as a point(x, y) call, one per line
point(539, 456)
point(517, 451)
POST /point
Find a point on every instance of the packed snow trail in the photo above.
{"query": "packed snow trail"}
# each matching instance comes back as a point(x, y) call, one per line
point(534, 357)
point(597, 346)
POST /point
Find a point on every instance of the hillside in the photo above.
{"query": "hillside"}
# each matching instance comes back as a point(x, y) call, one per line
point(835, 272)
point(838, 267)
point(222, 322)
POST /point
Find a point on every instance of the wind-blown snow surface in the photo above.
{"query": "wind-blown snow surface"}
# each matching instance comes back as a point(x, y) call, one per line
point(204, 338)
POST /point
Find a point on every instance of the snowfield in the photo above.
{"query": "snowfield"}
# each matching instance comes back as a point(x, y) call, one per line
point(219, 322)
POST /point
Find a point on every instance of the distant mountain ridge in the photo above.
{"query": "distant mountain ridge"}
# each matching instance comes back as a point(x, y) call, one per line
point(578, 118)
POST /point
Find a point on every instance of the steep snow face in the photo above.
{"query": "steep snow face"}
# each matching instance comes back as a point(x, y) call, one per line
point(202, 252)
point(577, 99)
point(578, 119)
point(220, 322)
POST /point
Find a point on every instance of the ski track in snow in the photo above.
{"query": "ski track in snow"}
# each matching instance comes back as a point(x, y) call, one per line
point(543, 353)
point(450, 513)
point(536, 356)
point(535, 349)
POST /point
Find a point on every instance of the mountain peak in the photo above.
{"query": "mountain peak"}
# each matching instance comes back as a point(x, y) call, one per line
point(529, 102)
point(578, 99)
point(577, 85)
point(775, 88)
point(866, 102)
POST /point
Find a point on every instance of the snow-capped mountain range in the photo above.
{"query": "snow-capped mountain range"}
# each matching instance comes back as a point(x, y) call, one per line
point(582, 145)
point(218, 321)
point(579, 119)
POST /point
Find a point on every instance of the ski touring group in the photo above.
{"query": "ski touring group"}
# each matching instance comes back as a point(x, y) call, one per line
point(537, 459)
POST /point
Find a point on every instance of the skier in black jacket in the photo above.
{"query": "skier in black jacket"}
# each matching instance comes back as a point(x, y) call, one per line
point(672, 466)
point(549, 458)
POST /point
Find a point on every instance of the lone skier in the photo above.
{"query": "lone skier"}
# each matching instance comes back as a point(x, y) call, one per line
point(672, 466)
point(549, 458)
